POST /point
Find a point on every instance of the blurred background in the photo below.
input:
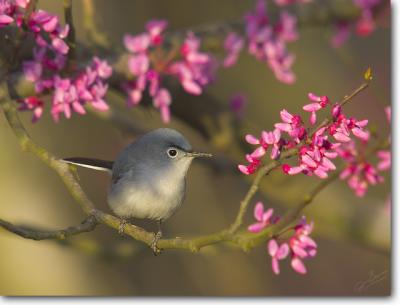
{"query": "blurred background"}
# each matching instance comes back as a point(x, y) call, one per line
point(353, 234)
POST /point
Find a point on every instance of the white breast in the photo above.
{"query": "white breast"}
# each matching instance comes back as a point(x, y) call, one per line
point(158, 197)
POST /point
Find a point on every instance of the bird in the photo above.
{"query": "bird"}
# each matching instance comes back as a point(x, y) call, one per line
point(148, 177)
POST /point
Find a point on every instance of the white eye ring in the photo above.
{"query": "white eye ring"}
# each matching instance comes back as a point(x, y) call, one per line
point(172, 152)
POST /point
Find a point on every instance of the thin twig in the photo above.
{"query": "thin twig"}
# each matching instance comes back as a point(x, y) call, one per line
point(89, 224)
point(71, 34)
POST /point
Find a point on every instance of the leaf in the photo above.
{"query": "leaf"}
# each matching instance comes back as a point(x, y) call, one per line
point(368, 74)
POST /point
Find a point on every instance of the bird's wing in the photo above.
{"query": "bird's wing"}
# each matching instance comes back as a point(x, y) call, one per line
point(96, 164)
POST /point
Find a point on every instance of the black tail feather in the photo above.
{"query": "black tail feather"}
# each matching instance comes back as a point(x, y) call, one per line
point(96, 164)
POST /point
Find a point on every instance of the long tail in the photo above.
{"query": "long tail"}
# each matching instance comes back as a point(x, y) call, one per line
point(96, 164)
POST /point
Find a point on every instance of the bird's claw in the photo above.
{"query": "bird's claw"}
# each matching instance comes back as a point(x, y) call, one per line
point(153, 246)
point(121, 227)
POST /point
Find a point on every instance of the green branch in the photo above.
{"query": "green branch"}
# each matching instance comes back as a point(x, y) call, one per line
point(71, 34)
point(89, 224)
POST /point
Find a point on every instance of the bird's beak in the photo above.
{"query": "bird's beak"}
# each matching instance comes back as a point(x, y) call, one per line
point(194, 154)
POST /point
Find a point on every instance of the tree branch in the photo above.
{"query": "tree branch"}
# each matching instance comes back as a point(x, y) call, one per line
point(89, 224)
point(71, 34)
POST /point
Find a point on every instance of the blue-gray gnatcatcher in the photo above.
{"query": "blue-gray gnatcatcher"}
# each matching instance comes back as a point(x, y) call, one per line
point(148, 176)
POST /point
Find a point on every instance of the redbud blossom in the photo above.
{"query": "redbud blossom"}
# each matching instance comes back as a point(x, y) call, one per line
point(49, 60)
point(34, 104)
point(233, 44)
point(277, 252)
point(237, 105)
point(358, 172)
point(364, 25)
point(263, 218)
point(384, 160)
point(388, 112)
point(267, 41)
point(194, 70)
point(298, 246)
point(302, 245)
point(319, 103)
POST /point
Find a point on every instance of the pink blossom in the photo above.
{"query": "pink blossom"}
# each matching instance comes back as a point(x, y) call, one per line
point(34, 104)
point(267, 42)
point(273, 138)
point(138, 64)
point(263, 218)
point(341, 129)
point(341, 34)
point(302, 245)
point(290, 170)
point(5, 20)
point(22, 3)
point(358, 172)
point(319, 103)
point(196, 69)
point(364, 25)
point(252, 167)
point(388, 112)
point(385, 162)
point(237, 104)
point(315, 158)
point(233, 44)
point(357, 128)
point(135, 90)
point(98, 91)
point(293, 125)
point(40, 18)
point(101, 68)
point(277, 252)
point(32, 70)
point(138, 43)
point(60, 45)
point(155, 28)
point(287, 27)
point(336, 111)
point(266, 140)
point(162, 100)
point(12, 11)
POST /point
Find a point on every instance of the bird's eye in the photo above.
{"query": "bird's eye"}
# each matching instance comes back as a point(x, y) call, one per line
point(172, 152)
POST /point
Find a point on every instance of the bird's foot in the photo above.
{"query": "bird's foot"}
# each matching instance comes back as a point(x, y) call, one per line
point(121, 227)
point(153, 246)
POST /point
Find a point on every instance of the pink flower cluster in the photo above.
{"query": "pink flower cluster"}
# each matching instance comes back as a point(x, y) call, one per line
point(194, 69)
point(299, 246)
point(266, 42)
point(12, 11)
point(316, 149)
point(49, 60)
point(364, 26)
point(360, 173)
point(69, 94)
